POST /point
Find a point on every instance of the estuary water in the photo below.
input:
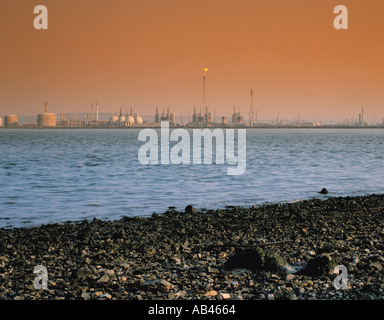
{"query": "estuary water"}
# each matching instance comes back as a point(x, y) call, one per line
point(57, 175)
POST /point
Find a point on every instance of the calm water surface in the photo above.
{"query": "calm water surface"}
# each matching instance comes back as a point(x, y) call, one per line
point(58, 175)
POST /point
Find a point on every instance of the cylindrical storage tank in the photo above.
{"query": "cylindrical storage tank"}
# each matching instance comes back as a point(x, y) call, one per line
point(11, 120)
point(139, 120)
point(1, 121)
point(122, 119)
point(46, 119)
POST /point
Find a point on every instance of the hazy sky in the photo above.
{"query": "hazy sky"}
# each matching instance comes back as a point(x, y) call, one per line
point(151, 53)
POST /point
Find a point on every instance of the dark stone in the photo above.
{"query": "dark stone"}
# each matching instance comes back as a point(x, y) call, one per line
point(83, 273)
point(323, 191)
point(190, 209)
point(321, 265)
point(257, 259)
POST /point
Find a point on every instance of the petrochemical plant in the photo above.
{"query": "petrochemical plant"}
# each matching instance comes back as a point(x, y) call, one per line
point(203, 118)
point(132, 119)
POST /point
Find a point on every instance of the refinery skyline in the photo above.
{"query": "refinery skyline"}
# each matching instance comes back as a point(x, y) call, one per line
point(201, 117)
point(154, 54)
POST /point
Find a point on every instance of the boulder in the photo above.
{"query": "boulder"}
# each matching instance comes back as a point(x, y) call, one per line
point(321, 265)
point(257, 259)
point(189, 209)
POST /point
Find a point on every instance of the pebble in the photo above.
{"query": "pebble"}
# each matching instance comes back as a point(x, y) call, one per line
point(290, 277)
point(225, 296)
point(211, 293)
point(88, 260)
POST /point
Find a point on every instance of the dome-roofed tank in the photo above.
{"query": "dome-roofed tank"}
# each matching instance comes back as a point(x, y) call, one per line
point(138, 119)
point(131, 120)
point(122, 118)
point(114, 119)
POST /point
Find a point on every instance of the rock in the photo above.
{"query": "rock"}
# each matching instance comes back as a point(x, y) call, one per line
point(257, 259)
point(179, 294)
point(86, 295)
point(176, 260)
point(319, 266)
point(290, 277)
point(104, 278)
point(323, 191)
point(83, 273)
point(291, 296)
point(190, 209)
point(110, 272)
point(211, 293)
point(213, 270)
point(157, 285)
point(225, 296)
point(376, 265)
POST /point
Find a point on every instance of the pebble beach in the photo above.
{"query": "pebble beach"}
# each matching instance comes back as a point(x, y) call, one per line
point(275, 251)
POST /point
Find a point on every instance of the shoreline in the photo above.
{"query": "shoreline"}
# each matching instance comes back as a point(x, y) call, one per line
point(273, 251)
point(218, 126)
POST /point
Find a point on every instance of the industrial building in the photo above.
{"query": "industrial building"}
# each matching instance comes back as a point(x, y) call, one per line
point(46, 119)
point(236, 117)
point(361, 117)
point(169, 116)
point(202, 118)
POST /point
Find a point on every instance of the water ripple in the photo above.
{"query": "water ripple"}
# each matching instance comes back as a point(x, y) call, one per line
point(58, 175)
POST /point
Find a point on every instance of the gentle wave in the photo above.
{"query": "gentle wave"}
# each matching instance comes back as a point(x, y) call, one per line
point(58, 175)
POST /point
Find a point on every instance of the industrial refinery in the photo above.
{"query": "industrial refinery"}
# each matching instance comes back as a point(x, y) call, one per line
point(202, 118)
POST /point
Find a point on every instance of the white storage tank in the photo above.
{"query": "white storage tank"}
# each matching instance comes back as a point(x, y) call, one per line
point(138, 119)
point(114, 119)
point(131, 120)
point(1, 121)
point(46, 119)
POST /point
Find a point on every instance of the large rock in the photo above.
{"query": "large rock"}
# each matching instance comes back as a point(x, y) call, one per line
point(189, 209)
point(257, 259)
point(321, 265)
point(83, 273)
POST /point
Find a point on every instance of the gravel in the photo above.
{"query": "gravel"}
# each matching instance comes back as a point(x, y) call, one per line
point(287, 251)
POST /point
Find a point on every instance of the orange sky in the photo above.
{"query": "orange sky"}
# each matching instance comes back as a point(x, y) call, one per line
point(151, 53)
